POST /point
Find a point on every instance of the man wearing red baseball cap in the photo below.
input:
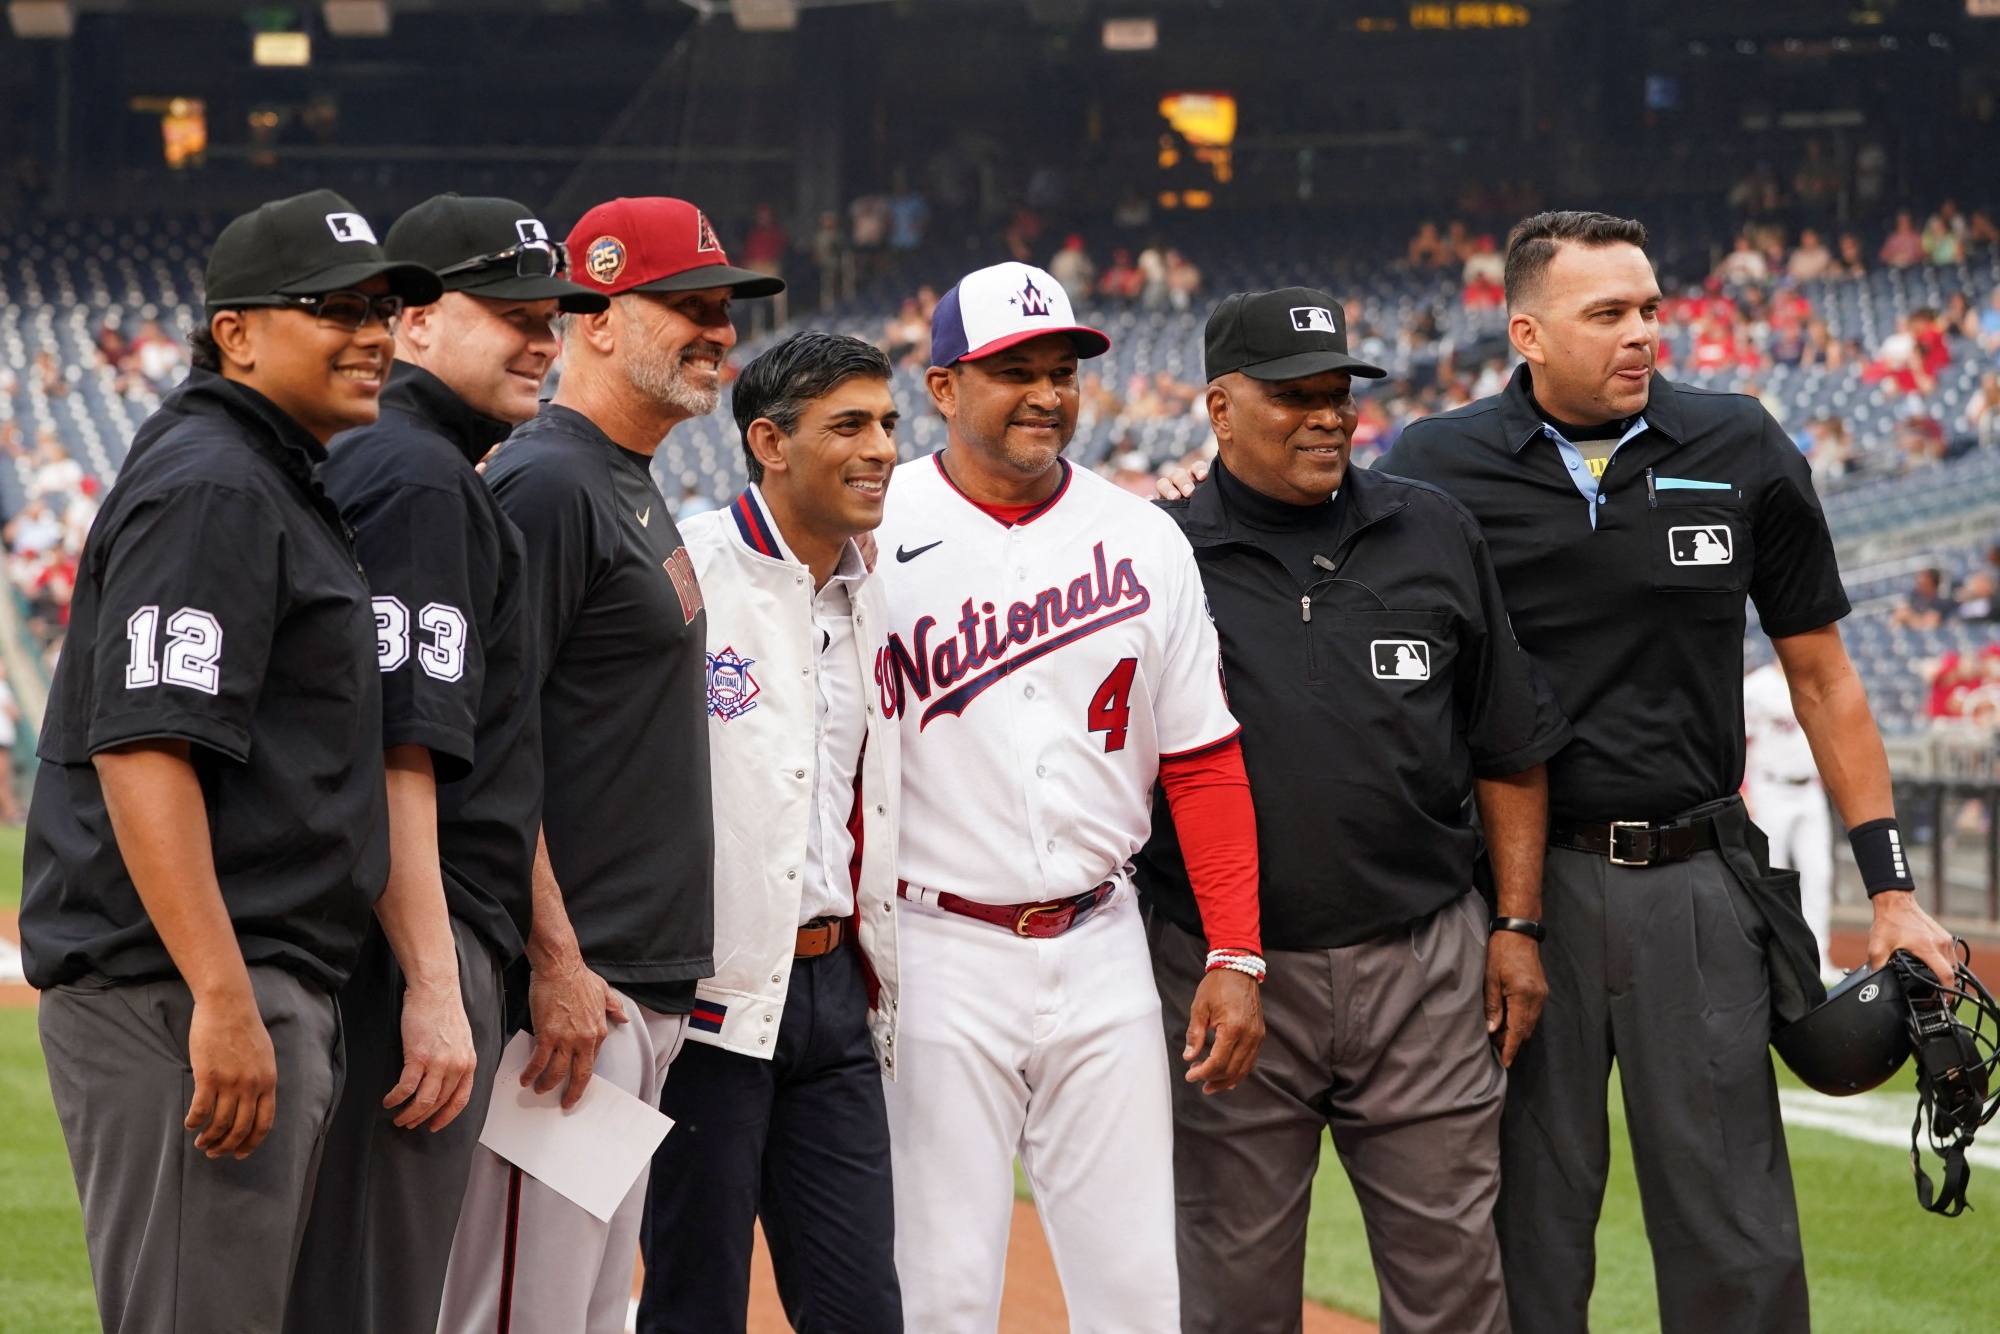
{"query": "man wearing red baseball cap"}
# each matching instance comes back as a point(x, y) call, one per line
point(623, 911)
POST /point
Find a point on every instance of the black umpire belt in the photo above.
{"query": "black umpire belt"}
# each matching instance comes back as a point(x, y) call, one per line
point(1636, 842)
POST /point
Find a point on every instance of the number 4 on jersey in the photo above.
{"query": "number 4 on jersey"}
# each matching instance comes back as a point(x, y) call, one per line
point(1111, 707)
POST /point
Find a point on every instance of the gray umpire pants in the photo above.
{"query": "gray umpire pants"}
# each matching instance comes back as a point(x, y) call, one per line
point(387, 1202)
point(1663, 969)
point(1385, 1043)
point(181, 1243)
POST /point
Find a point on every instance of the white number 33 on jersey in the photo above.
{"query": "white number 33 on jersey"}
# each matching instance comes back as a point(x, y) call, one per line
point(443, 657)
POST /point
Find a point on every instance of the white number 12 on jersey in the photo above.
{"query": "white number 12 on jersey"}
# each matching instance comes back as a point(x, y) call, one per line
point(194, 650)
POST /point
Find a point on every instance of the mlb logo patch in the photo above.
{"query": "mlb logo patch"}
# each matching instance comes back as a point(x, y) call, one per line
point(350, 227)
point(708, 1016)
point(1700, 544)
point(531, 231)
point(1401, 659)
point(1314, 319)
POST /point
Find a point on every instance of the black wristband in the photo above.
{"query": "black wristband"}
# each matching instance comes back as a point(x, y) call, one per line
point(1878, 854)
point(1522, 925)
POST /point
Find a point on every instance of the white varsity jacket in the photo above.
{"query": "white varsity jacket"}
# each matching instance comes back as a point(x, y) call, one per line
point(761, 712)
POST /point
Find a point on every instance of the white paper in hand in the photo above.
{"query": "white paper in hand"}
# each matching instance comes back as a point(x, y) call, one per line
point(590, 1154)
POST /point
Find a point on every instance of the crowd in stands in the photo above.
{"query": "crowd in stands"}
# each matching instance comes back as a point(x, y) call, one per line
point(44, 535)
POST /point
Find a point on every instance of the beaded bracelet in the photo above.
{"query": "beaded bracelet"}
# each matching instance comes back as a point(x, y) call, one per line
point(1237, 961)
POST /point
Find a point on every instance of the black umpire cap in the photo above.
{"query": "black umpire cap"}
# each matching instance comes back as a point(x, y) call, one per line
point(308, 245)
point(492, 248)
point(1283, 335)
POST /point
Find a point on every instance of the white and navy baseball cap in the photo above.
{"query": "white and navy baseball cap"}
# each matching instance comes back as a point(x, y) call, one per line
point(993, 309)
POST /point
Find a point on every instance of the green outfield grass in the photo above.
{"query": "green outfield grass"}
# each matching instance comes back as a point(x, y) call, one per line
point(1875, 1261)
point(44, 1280)
point(11, 838)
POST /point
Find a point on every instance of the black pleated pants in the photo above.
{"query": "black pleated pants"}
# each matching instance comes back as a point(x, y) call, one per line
point(800, 1141)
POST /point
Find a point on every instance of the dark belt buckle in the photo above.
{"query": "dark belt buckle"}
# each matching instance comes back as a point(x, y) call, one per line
point(1027, 916)
point(1635, 828)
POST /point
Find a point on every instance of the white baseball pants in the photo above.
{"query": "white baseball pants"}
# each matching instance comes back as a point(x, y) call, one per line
point(1049, 1049)
point(1795, 818)
point(527, 1261)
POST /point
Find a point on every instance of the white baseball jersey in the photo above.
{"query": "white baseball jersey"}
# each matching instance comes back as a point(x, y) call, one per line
point(1778, 748)
point(1040, 673)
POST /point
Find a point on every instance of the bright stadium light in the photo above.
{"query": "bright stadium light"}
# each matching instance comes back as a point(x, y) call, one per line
point(281, 48)
point(356, 18)
point(45, 19)
point(1131, 34)
point(766, 15)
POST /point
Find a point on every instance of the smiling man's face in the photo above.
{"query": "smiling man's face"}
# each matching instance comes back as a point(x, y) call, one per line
point(1591, 332)
point(1286, 438)
point(1018, 406)
point(494, 354)
point(673, 345)
point(833, 469)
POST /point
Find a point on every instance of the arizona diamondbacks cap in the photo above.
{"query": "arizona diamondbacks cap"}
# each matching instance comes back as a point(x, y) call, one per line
point(493, 248)
point(307, 245)
point(1283, 335)
point(656, 244)
point(995, 308)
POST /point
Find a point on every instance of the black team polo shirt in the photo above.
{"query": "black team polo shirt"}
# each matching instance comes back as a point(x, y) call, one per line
point(619, 639)
point(451, 637)
point(1371, 694)
point(218, 603)
point(1638, 620)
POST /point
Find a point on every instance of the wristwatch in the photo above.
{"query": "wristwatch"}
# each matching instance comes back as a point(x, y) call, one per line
point(1524, 925)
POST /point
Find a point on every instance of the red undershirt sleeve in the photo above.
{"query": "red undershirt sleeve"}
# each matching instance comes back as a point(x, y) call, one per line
point(1209, 795)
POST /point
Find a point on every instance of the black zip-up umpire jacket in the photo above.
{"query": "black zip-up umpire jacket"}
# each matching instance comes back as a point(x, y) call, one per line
point(1368, 701)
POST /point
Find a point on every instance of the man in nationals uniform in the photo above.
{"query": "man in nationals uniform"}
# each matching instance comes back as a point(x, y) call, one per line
point(1050, 658)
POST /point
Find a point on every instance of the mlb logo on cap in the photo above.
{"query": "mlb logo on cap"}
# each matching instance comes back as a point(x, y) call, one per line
point(1314, 319)
point(993, 309)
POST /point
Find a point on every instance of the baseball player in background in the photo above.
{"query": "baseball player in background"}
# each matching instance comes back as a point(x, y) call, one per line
point(1049, 659)
point(1781, 785)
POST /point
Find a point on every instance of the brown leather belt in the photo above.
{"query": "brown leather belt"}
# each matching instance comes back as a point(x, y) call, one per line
point(822, 935)
point(1636, 842)
point(1035, 921)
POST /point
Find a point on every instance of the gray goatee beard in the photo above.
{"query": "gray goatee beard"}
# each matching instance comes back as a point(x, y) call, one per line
point(663, 377)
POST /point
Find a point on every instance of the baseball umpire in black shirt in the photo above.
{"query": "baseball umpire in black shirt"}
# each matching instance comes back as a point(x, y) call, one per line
point(208, 830)
point(461, 735)
point(1379, 687)
point(623, 896)
point(1629, 519)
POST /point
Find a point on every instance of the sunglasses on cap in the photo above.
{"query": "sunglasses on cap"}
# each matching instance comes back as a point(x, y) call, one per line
point(530, 259)
point(346, 310)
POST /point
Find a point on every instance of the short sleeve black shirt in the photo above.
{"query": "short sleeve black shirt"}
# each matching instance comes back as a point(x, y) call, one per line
point(1638, 622)
point(451, 637)
point(217, 602)
point(1370, 696)
point(620, 641)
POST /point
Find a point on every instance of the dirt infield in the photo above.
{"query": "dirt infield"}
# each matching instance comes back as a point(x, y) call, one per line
point(1033, 1301)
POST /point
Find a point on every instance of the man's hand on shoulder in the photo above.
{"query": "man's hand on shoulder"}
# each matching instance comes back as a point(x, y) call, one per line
point(1179, 483)
point(1229, 1003)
